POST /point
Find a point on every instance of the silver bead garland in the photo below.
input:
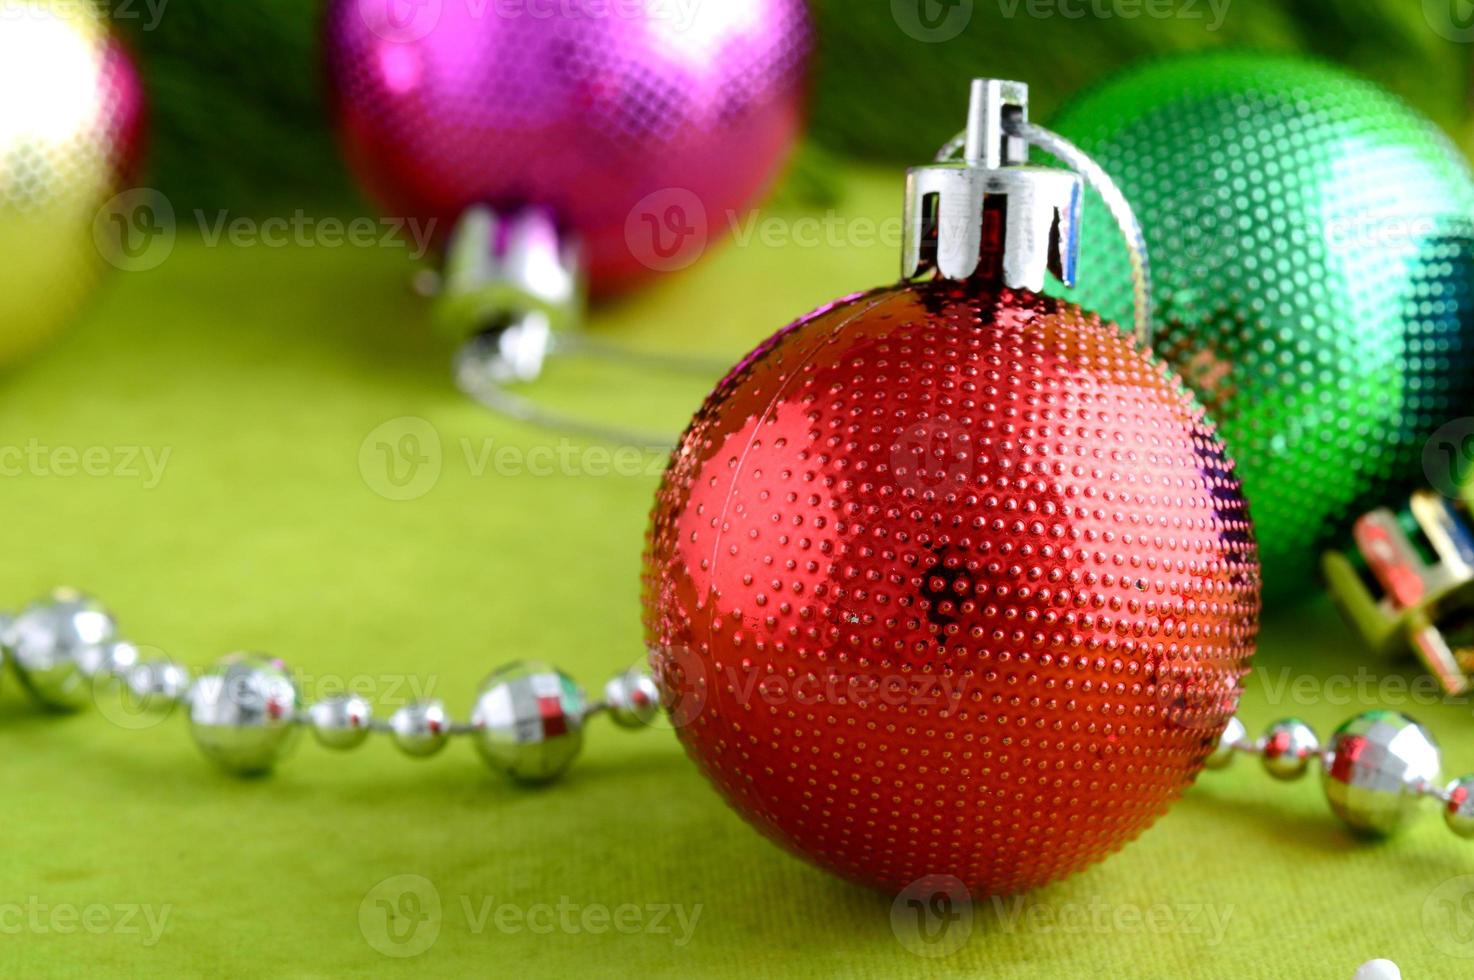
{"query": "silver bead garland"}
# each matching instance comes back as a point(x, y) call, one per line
point(528, 718)
point(1376, 770)
point(245, 713)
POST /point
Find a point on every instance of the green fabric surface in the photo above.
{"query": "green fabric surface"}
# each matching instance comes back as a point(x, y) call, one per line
point(263, 372)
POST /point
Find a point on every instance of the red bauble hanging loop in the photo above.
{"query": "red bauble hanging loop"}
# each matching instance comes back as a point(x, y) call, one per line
point(950, 579)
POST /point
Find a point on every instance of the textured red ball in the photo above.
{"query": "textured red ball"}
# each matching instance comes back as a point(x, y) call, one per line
point(949, 579)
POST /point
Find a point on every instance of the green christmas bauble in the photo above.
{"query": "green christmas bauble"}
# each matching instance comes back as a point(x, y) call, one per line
point(1312, 246)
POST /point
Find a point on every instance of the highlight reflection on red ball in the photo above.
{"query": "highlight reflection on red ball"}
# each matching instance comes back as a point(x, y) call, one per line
point(951, 580)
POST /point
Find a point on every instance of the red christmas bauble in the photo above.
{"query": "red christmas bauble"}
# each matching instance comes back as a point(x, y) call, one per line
point(950, 579)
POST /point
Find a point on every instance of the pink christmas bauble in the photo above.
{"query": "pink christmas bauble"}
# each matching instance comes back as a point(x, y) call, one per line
point(642, 125)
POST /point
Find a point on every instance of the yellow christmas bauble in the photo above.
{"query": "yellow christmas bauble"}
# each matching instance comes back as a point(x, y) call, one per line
point(72, 122)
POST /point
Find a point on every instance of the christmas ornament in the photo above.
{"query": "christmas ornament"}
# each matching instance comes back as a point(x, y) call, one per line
point(1314, 278)
point(71, 135)
point(962, 579)
point(1405, 583)
point(594, 141)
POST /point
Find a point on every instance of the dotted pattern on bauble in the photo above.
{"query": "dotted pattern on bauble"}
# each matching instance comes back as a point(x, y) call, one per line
point(584, 107)
point(950, 581)
point(72, 132)
point(1312, 244)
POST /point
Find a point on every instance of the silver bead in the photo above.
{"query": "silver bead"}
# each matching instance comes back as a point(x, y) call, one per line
point(1377, 970)
point(1458, 812)
point(44, 643)
point(243, 713)
point(421, 728)
point(107, 663)
point(1377, 767)
point(528, 721)
point(1288, 747)
point(341, 722)
point(158, 680)
point(1223, 754)
point(632, 698)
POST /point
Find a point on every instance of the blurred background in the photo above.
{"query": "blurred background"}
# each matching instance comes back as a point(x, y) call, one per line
point(237, 94)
